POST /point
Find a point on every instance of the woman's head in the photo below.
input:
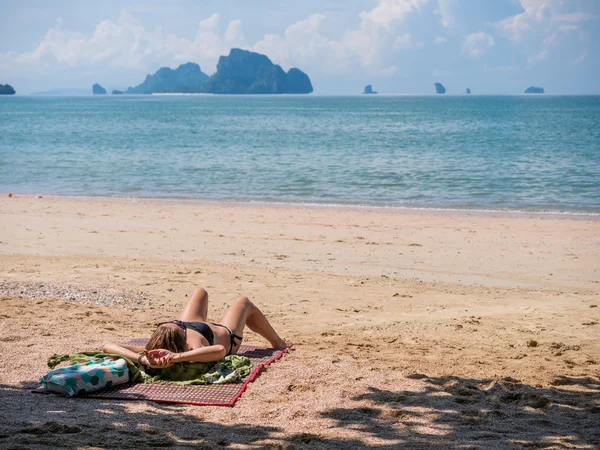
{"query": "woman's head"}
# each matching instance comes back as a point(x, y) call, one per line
point(168, 337)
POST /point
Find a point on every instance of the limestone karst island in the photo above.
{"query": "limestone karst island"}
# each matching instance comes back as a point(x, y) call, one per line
point(534, 90)
point(242, 72)
point(98, 90)
point(6, 89)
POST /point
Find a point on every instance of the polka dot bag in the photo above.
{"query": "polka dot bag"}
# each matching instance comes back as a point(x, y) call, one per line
point(87, 377)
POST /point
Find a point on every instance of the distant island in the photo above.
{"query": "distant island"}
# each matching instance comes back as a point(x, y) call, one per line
point(439, 88)
point(534, 90)
point(242, 72)
point(6, 89)
point(98, 90)
point(468, 90)
point(187, 78)
point(369, 90)
point(116, 92)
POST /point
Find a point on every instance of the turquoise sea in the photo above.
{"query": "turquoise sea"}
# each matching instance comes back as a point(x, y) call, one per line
point(529, 153)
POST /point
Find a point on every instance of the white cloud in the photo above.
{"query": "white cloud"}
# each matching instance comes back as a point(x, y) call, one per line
point(444, 10)
point(208, 44)
point(376, 28)
point(441, 40)
point(303, 44)
point(582, 57)
point(556, 36)
point(533, 59)
point(476, 44)
point(535, 12)
point(404, 42)
point(540, 15)
point(545, 23)
point(567, 28)
point(366, 46)
point(234, 32)
point(126, 44)
point(117, 44)
point(575, 17)
point(388, 12)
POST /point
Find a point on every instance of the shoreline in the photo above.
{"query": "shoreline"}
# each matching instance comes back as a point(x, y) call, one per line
point(517, 213)
point(461, 248)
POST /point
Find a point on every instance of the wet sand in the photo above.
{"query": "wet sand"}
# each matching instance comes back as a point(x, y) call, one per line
point(410, 328)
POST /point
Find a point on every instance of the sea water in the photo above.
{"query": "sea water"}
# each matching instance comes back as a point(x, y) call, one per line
point(527, 153)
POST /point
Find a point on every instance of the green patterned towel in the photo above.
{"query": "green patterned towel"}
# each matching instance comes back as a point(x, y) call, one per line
point(228, 370)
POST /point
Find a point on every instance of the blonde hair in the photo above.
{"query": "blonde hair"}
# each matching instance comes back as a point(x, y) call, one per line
point(167, 338)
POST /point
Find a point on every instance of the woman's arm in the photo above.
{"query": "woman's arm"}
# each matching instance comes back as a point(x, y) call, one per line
point(202, 354)
point(133, 348)
point(128, 351)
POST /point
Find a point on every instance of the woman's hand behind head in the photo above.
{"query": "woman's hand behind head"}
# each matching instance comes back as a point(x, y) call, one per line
point(159, 358)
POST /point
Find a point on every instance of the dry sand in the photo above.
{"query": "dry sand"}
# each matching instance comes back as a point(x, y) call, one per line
point(411, 329)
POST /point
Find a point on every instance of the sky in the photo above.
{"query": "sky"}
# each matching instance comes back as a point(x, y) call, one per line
point(398, 46)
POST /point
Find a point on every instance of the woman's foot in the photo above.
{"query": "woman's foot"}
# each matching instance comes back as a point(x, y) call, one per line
point(280, 343)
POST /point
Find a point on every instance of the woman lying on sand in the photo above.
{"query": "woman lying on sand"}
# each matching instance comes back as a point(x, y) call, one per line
point(193, 339)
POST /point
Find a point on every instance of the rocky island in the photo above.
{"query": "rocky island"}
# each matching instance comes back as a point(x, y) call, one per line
point(98, 90)
point(6, 89)
point(439, 88)
point(534, 90)
point(369, 90)
point(187, 78)
point(242, 72)
point(117, 92)
point(468, 90)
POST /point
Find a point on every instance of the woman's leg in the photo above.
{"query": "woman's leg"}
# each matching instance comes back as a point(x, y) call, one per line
point(243, 312)
point(196, 308)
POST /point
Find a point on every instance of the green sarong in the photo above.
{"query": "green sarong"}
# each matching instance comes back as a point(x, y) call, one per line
point(227, 370)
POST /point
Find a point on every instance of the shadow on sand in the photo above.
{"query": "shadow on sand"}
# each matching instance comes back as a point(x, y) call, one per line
point(446, 412)
point(453, 412)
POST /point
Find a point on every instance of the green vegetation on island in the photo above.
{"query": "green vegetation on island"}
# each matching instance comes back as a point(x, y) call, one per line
point(242, 72)
point(6, 89)
point(439, 88)
point(98, 90)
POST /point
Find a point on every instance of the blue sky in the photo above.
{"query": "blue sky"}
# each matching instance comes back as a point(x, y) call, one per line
point(398, 46)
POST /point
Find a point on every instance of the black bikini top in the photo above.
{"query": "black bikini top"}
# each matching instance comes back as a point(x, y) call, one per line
point(199, 327)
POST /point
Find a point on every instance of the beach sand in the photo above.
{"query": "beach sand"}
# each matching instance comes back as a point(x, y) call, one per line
point(412, 328)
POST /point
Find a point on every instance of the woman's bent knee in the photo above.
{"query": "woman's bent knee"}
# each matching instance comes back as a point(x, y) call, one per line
point(244, 301)
point(201, 292)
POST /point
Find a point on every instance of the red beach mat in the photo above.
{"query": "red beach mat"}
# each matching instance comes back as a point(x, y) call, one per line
point(202, 395)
